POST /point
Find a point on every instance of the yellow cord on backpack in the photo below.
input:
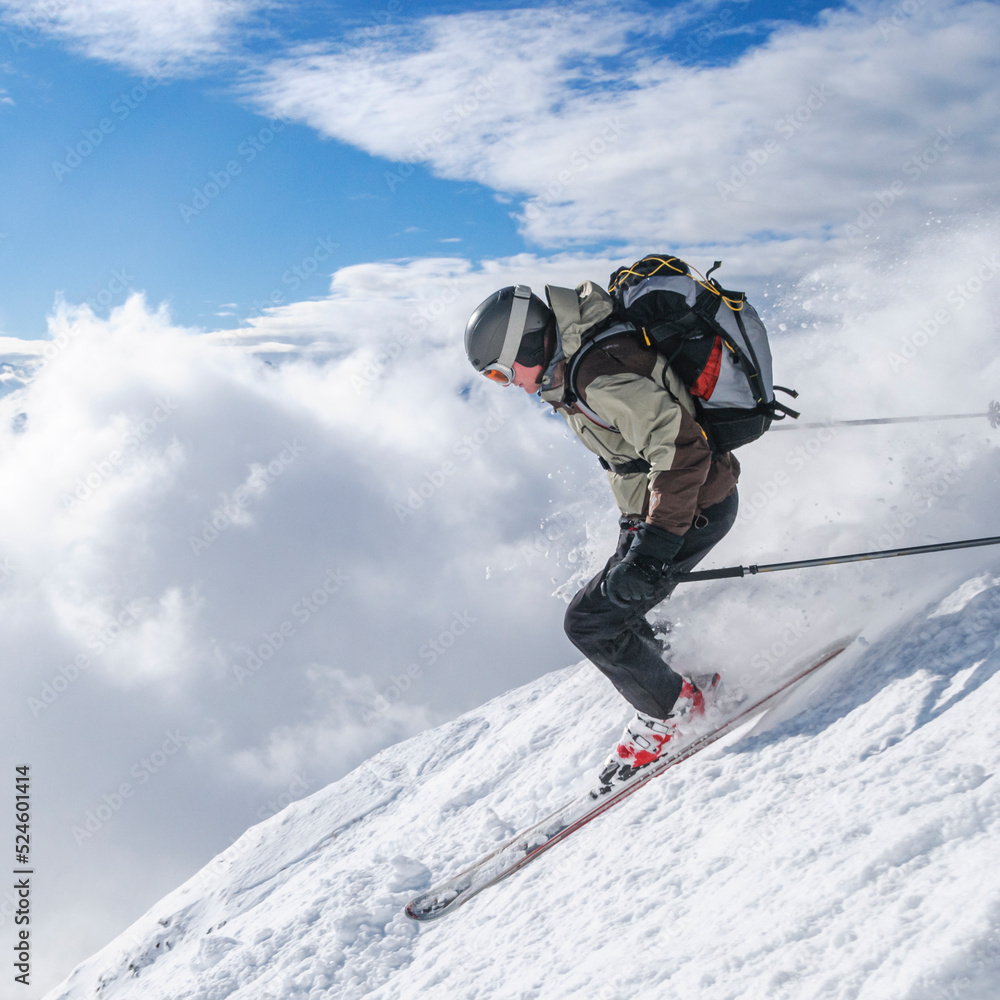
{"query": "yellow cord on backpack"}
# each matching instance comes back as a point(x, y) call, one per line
point(736, 305)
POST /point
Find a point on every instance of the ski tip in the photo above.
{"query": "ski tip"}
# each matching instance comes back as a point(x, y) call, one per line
point(417, 910)
point(431, 906)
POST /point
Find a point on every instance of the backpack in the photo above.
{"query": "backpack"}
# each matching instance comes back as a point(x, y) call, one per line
point(711, 337)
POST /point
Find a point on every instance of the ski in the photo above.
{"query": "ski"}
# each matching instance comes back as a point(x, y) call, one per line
point(524, 847)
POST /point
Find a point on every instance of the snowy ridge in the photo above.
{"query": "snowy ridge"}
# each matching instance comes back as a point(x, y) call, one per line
point(844, 849)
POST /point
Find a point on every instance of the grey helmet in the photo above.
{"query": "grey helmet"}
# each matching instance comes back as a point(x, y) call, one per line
point(495, 331)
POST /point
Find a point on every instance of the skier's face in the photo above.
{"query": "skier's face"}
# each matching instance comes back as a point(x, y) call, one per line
point(528, 379)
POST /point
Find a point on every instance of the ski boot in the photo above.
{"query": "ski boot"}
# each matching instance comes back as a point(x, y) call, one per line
point(646, 739)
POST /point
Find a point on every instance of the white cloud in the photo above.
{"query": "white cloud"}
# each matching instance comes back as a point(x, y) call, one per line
point(163, 38)
point(343, 726)
point(796, 137)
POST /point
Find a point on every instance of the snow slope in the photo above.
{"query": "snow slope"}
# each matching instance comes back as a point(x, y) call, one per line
point(845, 849)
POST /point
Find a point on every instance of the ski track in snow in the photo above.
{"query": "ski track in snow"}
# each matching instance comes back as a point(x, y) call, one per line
point(847, 851)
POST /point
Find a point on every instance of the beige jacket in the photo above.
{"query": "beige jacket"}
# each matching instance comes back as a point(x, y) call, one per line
point(652, 417)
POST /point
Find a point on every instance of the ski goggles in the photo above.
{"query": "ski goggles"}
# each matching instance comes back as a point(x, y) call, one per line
point(500, 374)
point(502, 370)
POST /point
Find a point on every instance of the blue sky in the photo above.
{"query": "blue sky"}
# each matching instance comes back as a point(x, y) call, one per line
point(118, 212)
point(107, 222)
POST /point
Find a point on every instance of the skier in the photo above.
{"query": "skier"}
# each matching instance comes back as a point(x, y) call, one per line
point(677, 498)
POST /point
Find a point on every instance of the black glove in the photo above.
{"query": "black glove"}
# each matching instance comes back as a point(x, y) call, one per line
point(640, 576)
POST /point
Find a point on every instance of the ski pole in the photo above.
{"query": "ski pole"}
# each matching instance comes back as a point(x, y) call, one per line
point(992, 414)
point(729, 572)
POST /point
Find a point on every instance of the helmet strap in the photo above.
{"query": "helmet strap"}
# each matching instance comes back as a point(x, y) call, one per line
point(515, 326)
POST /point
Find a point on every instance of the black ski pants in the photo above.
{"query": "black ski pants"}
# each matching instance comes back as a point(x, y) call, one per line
point(620, 642)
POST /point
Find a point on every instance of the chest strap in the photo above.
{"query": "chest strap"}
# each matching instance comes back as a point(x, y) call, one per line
point(625, 468)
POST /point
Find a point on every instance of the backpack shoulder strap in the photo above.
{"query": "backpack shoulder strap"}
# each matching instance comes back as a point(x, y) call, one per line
point(570, 394)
